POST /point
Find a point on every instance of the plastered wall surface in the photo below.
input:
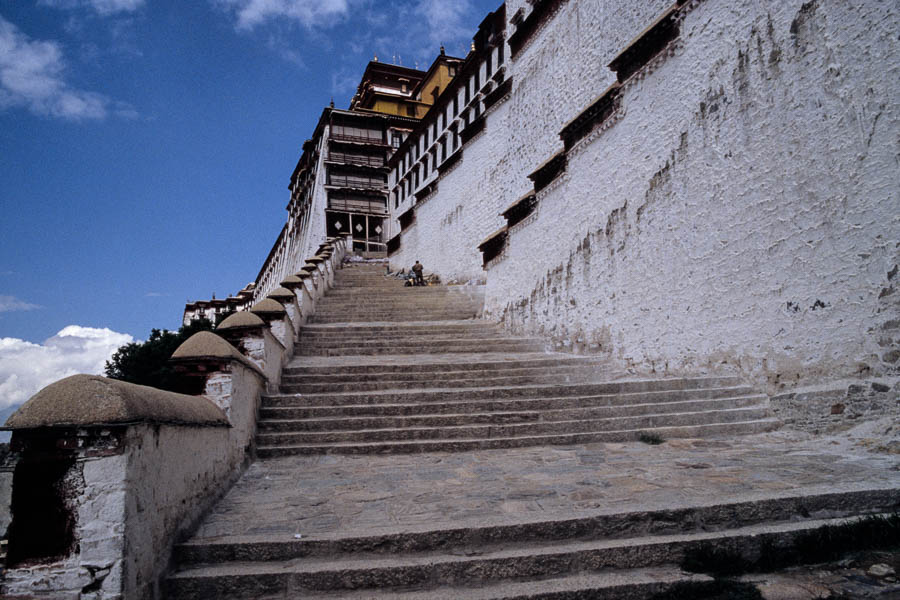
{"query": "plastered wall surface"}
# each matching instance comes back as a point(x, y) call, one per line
point(740, 215)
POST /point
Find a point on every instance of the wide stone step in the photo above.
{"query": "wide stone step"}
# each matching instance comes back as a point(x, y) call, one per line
point(511, 430)
point(341, 291)
point(344, 423)
point(466, 380)
point(377, 302)
point(795, 505)
point(567, 439)
point(460, 373)
point(372, 313)
point(279, 408)
point(461, 378)
point(393, 316)
point(502, 564)
point(403, 365)
point(465, 346)
point(498, 392)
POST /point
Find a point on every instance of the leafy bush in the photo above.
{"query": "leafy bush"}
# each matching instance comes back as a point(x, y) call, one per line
point(147, 363)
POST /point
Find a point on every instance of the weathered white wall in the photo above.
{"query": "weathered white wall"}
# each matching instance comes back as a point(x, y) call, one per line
point(741, 215)
point(134, 501)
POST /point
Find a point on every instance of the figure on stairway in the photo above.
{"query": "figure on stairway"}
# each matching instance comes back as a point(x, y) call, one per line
point(417, 271)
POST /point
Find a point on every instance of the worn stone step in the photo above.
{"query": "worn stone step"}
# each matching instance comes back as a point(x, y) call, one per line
point(410, 314)
point(461, 373)
point(465, 445)
point(485, 393)
point(610, 524)
point(461, 378)
point(464, 346)
point(377, 304)
point(395, 316)
point(282, 411)
point(470, 380)
point(511, 430)
point(376, 328)
point(344, 423)
point(506, 564)
point(338, 336)
point(623, 584)
point(295, 410)
point(403, 364)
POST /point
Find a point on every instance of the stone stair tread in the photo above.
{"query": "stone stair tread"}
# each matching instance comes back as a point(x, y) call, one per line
point(536, 387)
point(505, 551)
point(819, 501)
point(262, 436)
point(438, 445)
point(517, 399)
point(405, 360)
point(537, 412)
point(617, 582)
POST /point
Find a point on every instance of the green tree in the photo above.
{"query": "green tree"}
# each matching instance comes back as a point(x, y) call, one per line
point(147, 363)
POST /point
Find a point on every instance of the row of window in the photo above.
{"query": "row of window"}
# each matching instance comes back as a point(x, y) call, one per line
point(429, 150)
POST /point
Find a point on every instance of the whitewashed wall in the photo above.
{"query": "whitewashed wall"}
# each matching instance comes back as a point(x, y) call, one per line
point(742, 214)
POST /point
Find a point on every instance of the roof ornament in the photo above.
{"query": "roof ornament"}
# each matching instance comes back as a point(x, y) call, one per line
point(332, 102)
point(473, 45)
point(443, 50)
point(376, 58)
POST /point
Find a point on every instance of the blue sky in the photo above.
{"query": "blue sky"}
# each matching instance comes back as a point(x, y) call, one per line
point(146, 146)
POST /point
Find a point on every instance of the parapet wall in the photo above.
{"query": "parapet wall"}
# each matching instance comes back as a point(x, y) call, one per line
point(734, 210)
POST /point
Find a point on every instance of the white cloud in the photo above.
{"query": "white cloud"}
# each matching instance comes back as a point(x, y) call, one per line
point(102, 7)
point(11, 303)
point(32, 76)
point(25, 367)
point(445, 19)
point(310, 13)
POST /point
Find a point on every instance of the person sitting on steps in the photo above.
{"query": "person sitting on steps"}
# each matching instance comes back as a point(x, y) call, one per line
point(417, 270)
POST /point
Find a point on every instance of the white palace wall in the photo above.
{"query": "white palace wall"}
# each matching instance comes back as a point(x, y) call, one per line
point(741, 212)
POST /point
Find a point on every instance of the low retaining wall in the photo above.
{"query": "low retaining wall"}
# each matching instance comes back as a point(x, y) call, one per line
point(107, 476)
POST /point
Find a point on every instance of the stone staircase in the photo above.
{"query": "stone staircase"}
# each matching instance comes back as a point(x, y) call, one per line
point(401, 371)
point(385, 369)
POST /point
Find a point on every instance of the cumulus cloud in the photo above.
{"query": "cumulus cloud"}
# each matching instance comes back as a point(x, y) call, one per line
point(32, 76)
point(102, 7)
point(26, 367)
point(310, 13)
point(11, 304)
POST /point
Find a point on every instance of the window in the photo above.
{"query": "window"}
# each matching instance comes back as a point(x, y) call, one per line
point(455, 104)
point(410, 109)
point(434, 129)
point(444, 148)
point(500, 53)
point(477, 81)
point(489, 64)
point(396, 139)
point(468, 93)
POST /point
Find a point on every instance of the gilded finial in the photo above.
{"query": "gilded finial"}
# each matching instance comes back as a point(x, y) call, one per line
point(332, 103)
point(473, 45)
point(443, 51)
point(376, 58)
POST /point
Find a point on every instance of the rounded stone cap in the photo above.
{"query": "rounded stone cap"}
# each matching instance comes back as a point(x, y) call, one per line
point(243, 318)
point(83, 400)
point(206, 345)
point(268, 305)
point(281, 293)
point(307, 269)
point(315, 259)
point(291, 280)
point(305, 274)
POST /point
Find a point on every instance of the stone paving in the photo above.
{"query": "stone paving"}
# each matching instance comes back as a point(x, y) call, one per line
point(324, 497)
